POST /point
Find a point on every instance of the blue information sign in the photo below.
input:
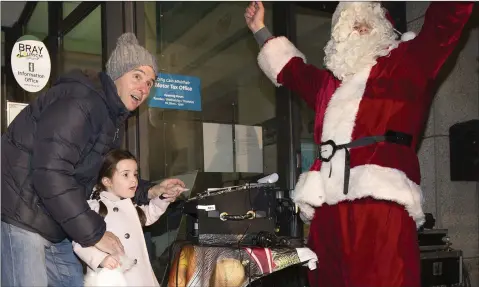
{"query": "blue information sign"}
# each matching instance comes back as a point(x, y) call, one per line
point(176, 92)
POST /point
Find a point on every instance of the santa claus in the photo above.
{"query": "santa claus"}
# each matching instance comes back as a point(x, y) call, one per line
point(362, 194)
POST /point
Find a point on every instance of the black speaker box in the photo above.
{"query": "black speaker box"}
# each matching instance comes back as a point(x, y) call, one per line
point(212, 230)
point(464, 151)
point(441, 268)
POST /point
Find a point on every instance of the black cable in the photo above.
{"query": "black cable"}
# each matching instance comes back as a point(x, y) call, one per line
point(435, 136)
point(241, 238)
point(266, 239)
point(415, 19)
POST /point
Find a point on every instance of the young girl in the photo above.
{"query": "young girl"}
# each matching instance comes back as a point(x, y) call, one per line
point(117, 183)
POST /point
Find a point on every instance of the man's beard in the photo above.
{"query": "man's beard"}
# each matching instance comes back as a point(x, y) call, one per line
point(356, 53)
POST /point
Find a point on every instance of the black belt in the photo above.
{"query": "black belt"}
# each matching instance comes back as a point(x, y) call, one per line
point(390, 136)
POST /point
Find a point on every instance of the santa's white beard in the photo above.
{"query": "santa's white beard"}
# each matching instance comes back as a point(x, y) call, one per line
point(356, 53)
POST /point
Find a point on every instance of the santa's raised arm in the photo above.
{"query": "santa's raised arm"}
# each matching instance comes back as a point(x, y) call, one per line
point(362, 194)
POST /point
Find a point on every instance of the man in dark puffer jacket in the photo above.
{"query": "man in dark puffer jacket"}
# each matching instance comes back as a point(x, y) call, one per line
point(51, 156)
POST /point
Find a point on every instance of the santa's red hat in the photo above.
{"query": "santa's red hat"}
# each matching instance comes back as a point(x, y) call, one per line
point(347, 13)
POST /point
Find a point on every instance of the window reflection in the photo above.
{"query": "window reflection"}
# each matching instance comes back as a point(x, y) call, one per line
point(3, 81)
point(38, 22)
point(3, 49)
point(208, 40)
point(68, 7)
point(313, 30)
point(82, 45)
point(36, 26)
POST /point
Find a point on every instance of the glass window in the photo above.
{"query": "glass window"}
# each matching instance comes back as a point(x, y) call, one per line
point(38, 23)
point(82, 45)
point(68, 7)
point(3, 50)
point(313, 30)
point(37, 26)
point(3, 92)
point(209, 40)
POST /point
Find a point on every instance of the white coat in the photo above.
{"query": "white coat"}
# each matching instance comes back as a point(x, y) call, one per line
point(123, 221)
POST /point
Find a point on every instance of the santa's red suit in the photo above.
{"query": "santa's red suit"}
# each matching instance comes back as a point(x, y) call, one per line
point(364, 233)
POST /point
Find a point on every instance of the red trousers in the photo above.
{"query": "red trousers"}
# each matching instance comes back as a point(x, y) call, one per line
point(364, 243)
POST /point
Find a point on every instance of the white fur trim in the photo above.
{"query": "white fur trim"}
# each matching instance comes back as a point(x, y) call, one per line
point(307, 195)
point(366, 180)
point(274, 55)
point(338, 125)
point(388, 184)
point(408, 36)
point(105, 277)
point(340, 115)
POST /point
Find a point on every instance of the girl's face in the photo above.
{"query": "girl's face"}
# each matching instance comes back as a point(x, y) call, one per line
point(124, 181)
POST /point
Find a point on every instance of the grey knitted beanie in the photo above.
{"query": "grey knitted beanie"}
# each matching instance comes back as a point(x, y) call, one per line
point(128, 54)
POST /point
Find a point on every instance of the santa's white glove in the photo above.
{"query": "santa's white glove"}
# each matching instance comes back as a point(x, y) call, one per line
point(308, 194)
point(306, 213)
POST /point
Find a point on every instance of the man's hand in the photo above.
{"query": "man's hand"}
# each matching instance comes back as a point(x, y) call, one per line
point(110, 262)
point(254, 16)
point(110, 244)
point(170, 189)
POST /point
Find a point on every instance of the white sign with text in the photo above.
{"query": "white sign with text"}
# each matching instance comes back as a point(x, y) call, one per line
point(31, 64)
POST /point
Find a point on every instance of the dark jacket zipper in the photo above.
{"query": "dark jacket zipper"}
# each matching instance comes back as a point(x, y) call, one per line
point(116, 134)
